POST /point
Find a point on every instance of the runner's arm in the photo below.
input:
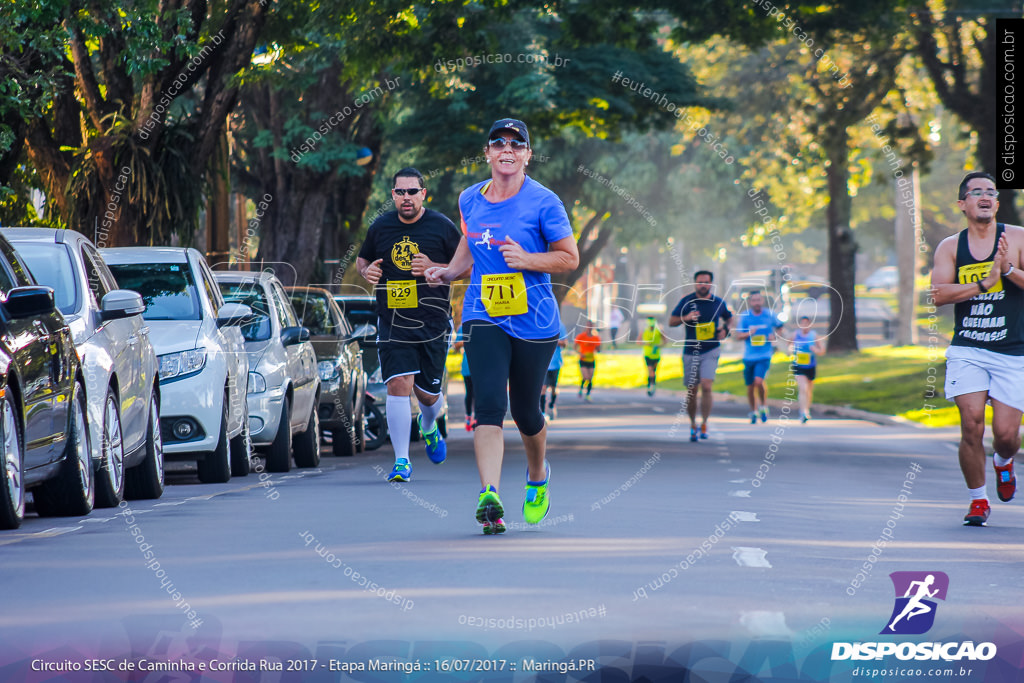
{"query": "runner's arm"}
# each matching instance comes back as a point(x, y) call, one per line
point(561, 256)
point(460, 266)
point(1014, 255)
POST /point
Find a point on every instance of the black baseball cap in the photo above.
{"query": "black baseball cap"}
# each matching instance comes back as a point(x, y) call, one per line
point(513, 126)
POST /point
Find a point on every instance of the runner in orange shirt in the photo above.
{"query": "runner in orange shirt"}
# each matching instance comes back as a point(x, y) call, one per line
point(587, 343)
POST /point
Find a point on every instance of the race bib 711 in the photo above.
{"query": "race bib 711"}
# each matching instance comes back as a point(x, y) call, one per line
point(503, 294)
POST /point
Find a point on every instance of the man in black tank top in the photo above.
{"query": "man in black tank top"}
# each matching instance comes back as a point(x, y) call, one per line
point(978, 271)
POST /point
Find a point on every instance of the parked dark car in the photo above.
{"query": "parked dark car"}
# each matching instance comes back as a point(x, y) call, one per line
point(44, 436)
point(339, 364)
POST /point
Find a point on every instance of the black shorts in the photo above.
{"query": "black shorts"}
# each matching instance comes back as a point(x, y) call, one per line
point(551, 378)
point(588, 363)
point(652, 362)
point(425, 359)
point(809, 373)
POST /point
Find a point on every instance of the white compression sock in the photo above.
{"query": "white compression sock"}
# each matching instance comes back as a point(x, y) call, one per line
point(399, 415)
point(978, 493)
point(1000, 460)
point(430, 413)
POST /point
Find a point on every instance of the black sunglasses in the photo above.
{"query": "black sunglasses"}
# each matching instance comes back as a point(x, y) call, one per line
point(412, 191)
point(502, 143)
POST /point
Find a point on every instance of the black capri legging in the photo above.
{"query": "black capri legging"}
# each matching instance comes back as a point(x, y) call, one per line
point(468, 381)
point(498, 362)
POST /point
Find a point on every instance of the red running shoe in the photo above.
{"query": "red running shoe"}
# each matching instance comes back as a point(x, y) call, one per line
point(978, 513)
point(1006, 483)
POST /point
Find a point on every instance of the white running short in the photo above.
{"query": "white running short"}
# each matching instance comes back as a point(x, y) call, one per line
point(970, 369)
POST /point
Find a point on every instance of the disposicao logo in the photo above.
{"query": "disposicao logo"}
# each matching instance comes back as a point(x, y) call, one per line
point(914, 611)
point(914, 614)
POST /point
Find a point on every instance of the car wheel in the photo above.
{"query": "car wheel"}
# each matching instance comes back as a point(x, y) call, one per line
point(279, 455)
point(12, 483)
point(215, 468)
point(110, 473)
point(241, 449)
point(72, 491)
point(374, 427)
point(307, 444)
point(343, 439)
point(146, 480)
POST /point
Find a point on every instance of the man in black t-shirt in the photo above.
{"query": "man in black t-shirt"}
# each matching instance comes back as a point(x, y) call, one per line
point(978, 271)
point(701, 312)
point(414, 319)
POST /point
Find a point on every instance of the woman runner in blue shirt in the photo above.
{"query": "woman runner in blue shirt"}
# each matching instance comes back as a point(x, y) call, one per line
point(515, 234)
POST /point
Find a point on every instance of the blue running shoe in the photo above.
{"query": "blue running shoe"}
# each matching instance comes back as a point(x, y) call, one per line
point(693, 433)
point(764, 414)
point(753, 418)
point(402, 471)
point(437, 450)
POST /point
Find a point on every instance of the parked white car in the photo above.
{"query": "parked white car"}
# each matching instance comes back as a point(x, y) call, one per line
point(284, 385)
point(202, 359)
point(118, 362)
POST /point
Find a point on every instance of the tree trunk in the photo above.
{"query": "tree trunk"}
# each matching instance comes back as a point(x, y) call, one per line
point(290, 233)
point(842, 247)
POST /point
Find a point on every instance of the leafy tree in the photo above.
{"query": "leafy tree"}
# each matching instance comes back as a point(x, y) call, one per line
point(122, 104)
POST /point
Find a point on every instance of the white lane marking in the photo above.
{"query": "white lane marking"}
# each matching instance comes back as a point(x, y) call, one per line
point(96, 520)
point(724, 461)
point(734, 469)
point(165, 505)
point(765, 623)
point(658, 409)
point(750, 557)
point(738, 481)
point(56, 531)
point(740, 494)
point(741, 516)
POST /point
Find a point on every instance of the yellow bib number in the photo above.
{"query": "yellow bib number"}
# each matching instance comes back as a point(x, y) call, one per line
point(977, 272)
point(705, 331)
point(503, 294)
point(803, 358)
point(759, 340)
point(402, 294)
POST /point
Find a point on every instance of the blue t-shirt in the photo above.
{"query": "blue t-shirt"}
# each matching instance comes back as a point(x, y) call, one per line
point(805, 344)
point(556, 359)
point(761, 325)
point(702, 335)
point(534, 218)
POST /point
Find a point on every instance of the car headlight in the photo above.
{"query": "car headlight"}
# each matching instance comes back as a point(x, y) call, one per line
point(377, 377)
point(328, 370)
point(181, 364)
point(257, 383)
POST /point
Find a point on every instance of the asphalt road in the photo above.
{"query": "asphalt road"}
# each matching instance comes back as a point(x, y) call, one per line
point(743, 553)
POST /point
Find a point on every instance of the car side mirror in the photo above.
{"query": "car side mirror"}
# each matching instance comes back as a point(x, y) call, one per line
point(290, 336)
point(233, 314)
point(121, 303)
point(28, 302)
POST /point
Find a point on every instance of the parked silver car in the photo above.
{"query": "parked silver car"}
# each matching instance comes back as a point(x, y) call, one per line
point(118, 361)
point(284, 386)
point(201, 353)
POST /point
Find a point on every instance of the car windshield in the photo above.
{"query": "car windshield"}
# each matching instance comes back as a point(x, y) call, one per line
point(51, 266)
point(359, 312)
point(251, 294)
point(314, 313)
point(167, 289)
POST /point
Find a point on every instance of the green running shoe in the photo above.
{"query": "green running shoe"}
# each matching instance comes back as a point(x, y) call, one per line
point(492, 528)
point(535, 507)
point(489, 509)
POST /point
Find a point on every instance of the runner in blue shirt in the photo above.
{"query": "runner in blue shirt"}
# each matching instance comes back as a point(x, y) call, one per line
point(757, 326)
point(516, 233)
point(806, 349)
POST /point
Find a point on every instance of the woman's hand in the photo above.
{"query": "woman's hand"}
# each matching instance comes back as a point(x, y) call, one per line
point(515, 256)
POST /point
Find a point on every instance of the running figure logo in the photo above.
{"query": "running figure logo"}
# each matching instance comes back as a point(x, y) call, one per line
point(485, 239)
point(914, 613)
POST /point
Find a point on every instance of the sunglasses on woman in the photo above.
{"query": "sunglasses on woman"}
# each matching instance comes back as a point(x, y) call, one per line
point(502, 143)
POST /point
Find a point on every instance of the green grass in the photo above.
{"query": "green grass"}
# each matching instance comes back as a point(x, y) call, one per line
point(884, 379)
